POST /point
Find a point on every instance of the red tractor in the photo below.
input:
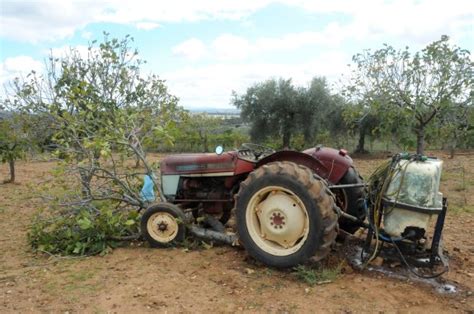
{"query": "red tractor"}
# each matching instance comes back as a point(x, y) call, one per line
point(285, 202)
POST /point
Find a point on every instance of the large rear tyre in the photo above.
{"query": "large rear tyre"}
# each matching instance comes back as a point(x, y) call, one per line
point(285, 215)
point(351, 200)
point(162, 225)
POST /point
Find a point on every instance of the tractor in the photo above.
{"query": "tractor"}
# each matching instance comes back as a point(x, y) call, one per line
point(284, 206)
point(290, 206)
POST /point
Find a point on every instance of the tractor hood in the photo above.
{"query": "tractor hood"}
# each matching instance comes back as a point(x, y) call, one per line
point(199, 163)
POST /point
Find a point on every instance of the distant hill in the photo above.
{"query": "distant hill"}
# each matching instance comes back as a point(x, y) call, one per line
point(216, 111)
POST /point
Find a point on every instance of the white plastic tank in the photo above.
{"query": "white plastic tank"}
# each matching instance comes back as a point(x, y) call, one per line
point(414, 189)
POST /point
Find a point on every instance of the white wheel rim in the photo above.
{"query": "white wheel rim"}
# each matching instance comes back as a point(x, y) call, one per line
point(277, 221)
point(162, 227)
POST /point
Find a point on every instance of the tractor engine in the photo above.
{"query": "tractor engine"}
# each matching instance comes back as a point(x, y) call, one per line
point(209, 194)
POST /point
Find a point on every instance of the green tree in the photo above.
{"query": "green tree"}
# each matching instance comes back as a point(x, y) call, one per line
point(13, 140)
point(414, 88)
point(335, 124)
point(101, 109)
point(276, 108)
point(314, 105)
point(363, 121)
point(202, 126)
point(271, 108)
point(456, 127)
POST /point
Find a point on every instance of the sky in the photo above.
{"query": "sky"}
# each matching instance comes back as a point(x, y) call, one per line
point(206, 49)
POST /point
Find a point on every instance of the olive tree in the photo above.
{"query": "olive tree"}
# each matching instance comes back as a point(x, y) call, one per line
point(278, 108)
point(13, 141)
point(271, 108)
point(415, 88)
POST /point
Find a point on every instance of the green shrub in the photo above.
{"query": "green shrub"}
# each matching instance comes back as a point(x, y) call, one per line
point(82, 231)
point(316, 276)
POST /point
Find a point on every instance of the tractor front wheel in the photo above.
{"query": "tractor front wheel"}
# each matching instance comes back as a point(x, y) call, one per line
point(162, 225)
point(285, 215)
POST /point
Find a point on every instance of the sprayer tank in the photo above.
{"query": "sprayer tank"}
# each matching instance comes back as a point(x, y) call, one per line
point(412, 196)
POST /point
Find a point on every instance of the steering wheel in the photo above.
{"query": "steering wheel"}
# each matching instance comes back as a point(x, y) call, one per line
point(257, 149)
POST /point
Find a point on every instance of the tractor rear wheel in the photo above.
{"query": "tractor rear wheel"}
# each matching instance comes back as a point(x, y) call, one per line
point(162, 225)
point(285, 215)
point(351, 200)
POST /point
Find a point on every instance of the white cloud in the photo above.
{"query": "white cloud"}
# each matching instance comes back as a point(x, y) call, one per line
point(56, 19)
point(332, 35)
point(212, 85)
point(412, 21)
point(230, 47)
point(147, 25)
point(18, 66)
point(61, 52)
point(87, 35)
point(125, 11)
point(191, 49)
point(35, 21)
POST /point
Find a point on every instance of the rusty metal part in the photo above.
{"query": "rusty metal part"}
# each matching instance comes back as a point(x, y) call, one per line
point(211, 235)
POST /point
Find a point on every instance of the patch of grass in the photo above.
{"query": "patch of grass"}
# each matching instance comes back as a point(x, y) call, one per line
point(462, 209)
point(292, 308)
point(261, 287)
point(267, 272)
point(252, 305)
point(2, 210)
point(460, 188)
point(316, 276)
point(77, 282)
point(80, 275)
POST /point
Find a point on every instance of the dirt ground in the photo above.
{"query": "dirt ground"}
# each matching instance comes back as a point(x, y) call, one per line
point(221, 279)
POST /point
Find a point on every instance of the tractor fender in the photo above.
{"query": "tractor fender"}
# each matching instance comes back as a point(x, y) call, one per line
point(330, 165)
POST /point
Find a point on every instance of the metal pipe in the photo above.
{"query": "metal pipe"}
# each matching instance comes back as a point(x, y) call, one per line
point(351, 218)
point(348, 186)
point(201, 200)
point(211, 235)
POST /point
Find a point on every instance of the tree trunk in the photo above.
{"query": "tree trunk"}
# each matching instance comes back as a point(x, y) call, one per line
point(286, 140)
point(361, 144)
point(11, 164)
point(138, 160)
point(12, 170)
point(206, 145)
point(420, 140)
point(86, 178)
point(203, 137)
point(452, 146)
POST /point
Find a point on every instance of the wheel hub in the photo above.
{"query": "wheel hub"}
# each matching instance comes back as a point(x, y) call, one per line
point(277, 220)
point(282, 219)
point(163, 227)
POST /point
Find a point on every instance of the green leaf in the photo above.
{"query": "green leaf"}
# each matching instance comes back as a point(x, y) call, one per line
point(84, 223)
point(130, 222)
